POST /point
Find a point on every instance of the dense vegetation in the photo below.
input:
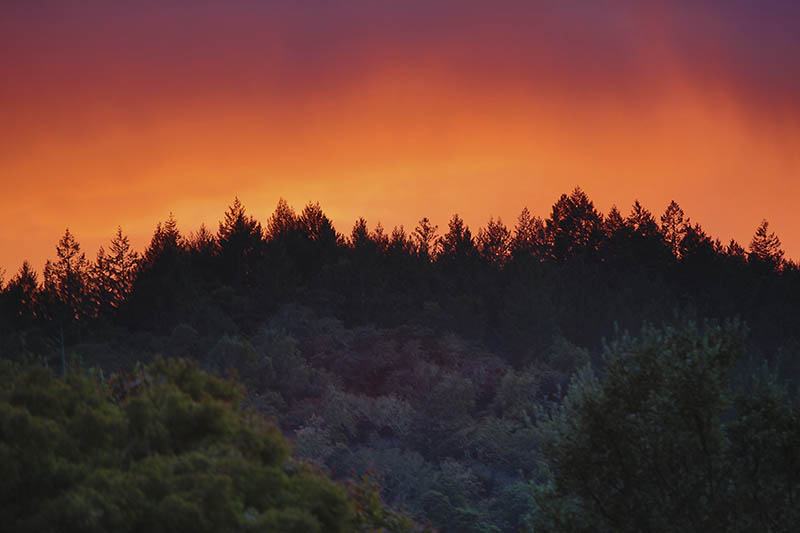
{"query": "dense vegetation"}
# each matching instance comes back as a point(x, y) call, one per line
point(665, 443)
point(164, 448)
point(445, 362)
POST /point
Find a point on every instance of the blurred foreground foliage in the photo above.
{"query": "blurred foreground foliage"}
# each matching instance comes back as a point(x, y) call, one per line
point(166, 447)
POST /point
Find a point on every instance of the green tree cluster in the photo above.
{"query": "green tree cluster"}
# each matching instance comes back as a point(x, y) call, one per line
point(670, 439)
point(164, 448)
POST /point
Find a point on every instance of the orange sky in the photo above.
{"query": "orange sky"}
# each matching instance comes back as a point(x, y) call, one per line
point(115, 117)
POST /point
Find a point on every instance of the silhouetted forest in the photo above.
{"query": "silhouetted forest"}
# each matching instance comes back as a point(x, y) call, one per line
point(573, 371)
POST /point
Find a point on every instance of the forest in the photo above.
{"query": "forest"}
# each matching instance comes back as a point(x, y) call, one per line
point(574, 371)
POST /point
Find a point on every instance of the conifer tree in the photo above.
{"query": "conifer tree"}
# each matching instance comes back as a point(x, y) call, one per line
point(240, 241)
point(529, 235)
point(21, 294)
point(316, 226)
point(641, 221)
point(613, 222)
point(166, 240)
point(66, 280)
point(673, 226)
point(425, 239)
point(283, 222)
point(113, 273)
point(399, 242)
point(494, 242)
point(458, 241)
point(380, 238)
point(202, 242)
point(765, 248)
point(574, 227)
point(359, 236)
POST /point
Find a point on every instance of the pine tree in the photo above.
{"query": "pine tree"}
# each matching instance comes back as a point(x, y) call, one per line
point(202, 242)
point(359, 236)
point(166, 240)
point(673, 227)
point(765, 248)
point(494, 242)
point(613, 222)
point(240, 242)
point(283, 222)
point(425, 240)
point(66, 280)
point(530, 237)
point(400, 243)
point(380, 238)
point(574, 227)
point(458, 241)
point(641, 221)
point(315, 242)
point(237, 225)
point(316, 226)
point(113, 273)
point(22, 298)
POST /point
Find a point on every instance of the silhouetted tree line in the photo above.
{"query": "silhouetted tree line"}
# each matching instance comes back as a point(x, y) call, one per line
point(444, 358)
point(576, 273)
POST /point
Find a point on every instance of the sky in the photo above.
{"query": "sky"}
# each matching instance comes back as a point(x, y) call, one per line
point(118, 113)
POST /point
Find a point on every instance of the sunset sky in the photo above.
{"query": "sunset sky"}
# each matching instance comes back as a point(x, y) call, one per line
point(116, 113)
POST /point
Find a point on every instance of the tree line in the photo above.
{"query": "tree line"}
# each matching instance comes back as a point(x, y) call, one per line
point(576, 271)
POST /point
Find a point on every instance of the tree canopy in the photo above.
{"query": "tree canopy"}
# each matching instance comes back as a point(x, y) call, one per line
point(164, 448)
point(663, 441)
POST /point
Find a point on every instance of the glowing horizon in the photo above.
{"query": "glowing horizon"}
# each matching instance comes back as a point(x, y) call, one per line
point(393, 114)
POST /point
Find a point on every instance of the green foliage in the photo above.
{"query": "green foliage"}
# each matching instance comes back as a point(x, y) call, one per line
point(661, 444)
point(517, 392)
point(405, 474)
point(282, 367)
point(184, 341)
point(372, 514)
point(231, 353)
point(452, 518)
point(165, 448)
point(458, 482)
point(451, 400)
point(507, 446)
point(565, 357)
point(513, 507)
